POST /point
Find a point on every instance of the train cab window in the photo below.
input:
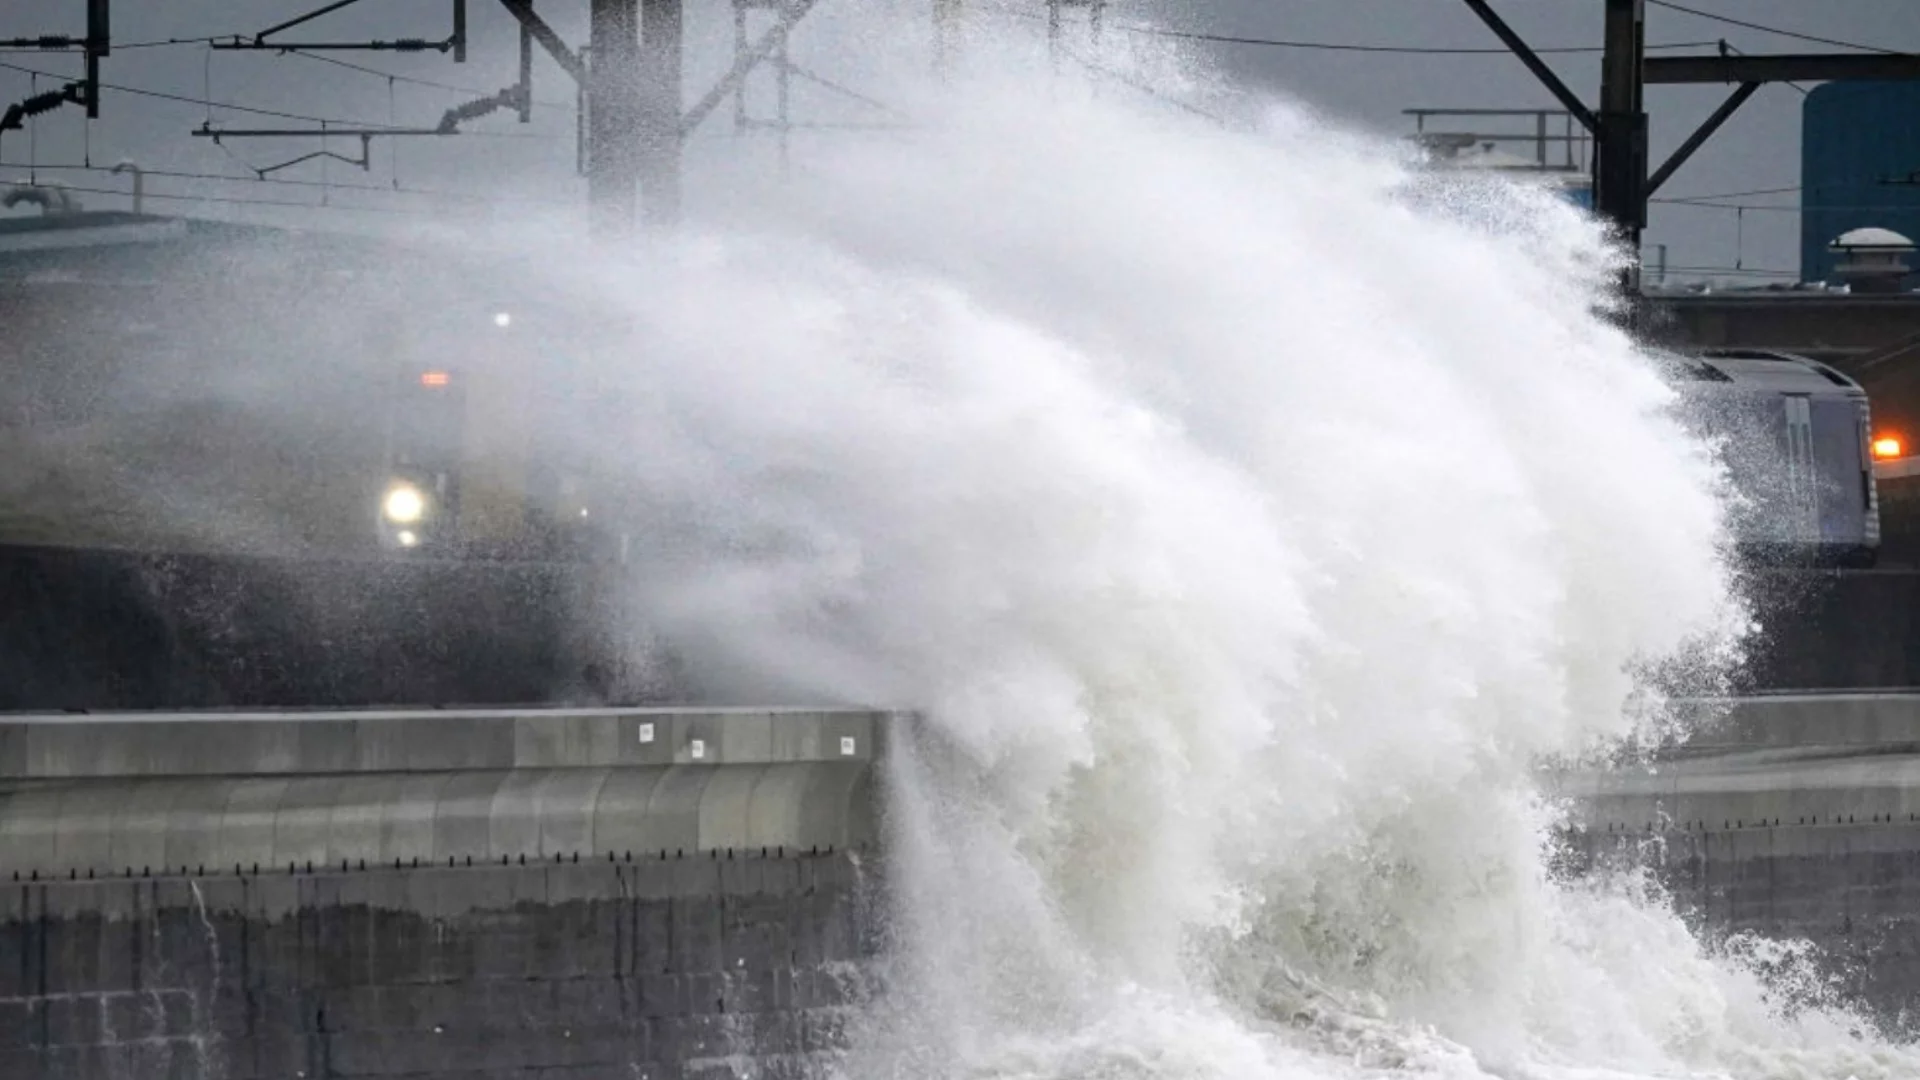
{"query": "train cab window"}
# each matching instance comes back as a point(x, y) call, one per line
point(427, 422)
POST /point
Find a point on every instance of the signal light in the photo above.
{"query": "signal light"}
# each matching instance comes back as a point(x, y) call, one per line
point(1888, 446)
point(435, 379)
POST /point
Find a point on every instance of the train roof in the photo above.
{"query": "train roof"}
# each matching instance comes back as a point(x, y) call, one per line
point(1767, 370)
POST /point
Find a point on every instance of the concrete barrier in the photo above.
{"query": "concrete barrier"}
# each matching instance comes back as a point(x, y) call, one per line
point(1744, 791)
point(1785, 760)
point(113, 746)
point(1791, 816)
point(187, 826)
point(118, 796)
point(489, 893)
point(1809, 722)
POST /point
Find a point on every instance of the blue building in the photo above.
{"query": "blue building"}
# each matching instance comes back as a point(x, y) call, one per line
point(1854, 138)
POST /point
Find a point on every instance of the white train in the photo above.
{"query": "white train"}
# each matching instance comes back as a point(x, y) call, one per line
point(1797, 438)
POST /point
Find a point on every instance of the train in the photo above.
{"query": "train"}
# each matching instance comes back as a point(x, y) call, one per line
point(1797, 439)
point(245, 468)
point(228, 391)
point(480, 451)
point(473, 463)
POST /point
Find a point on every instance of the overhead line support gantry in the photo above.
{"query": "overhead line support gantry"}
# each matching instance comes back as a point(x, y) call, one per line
point(1622, 182)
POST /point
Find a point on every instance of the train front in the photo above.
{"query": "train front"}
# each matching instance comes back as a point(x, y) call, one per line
point(251, 469)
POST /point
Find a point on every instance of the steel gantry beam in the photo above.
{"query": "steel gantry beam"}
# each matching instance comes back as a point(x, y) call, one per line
point(1525, 54)
point(1811, 67)
point(662, 52)
point(1620, 168)
point(745, 61)
point(1699, 137)
point(455, 42)
point(633, 119)
point(613, 117)
point(1618, 126)
point(633, 113)
point(534, 28)
point(1621, 180)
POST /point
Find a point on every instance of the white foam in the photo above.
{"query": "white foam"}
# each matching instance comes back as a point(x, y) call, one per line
point(1247, 529)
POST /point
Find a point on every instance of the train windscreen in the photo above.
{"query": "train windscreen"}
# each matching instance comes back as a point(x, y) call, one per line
point(1840, 470)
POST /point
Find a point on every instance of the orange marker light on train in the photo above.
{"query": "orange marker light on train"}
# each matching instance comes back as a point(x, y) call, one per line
point(434, 378)
point(1888, 446)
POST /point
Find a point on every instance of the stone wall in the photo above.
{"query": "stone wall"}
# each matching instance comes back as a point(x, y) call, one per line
point(724, 964)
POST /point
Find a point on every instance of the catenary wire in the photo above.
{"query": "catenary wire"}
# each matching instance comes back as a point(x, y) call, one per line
point(1762, 28)
point(413, 81)
point(252, 110)
point(1356, 47)
point(278, 181)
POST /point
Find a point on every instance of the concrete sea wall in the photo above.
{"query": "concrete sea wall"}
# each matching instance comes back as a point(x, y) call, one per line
point(702, 966)
point(1792, 816)
point(594, 893)
point(1853, 891)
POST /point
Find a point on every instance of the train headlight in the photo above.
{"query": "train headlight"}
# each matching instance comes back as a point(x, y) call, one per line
point(1886, 447)
point(404, 504)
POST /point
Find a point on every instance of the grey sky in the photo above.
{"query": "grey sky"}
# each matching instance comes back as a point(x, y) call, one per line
point(1758, 150)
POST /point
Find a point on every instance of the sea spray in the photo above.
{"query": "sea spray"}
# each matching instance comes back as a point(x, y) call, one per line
point(1246, 519)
